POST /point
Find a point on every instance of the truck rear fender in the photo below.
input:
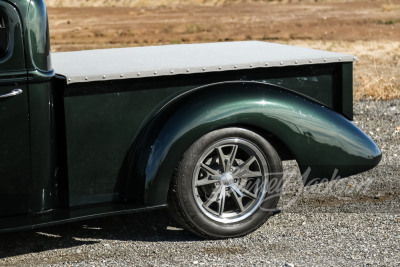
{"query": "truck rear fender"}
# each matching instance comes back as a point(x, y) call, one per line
point(325, 144)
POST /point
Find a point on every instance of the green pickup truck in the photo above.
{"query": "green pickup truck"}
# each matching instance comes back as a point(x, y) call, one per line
point(199, 128)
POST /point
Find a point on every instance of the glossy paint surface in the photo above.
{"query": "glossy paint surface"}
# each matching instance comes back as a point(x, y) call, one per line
point(99, 136)
point(35, 188)
point(34, 27)
point(13, 63)
point(14, 122)
point(38, 41)
point(318, 138)
point(44, 165)
point(105, 119)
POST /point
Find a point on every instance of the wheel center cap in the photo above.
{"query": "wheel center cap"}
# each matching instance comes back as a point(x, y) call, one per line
point(227, 179)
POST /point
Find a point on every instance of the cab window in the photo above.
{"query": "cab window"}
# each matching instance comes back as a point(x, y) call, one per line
point(3, 35)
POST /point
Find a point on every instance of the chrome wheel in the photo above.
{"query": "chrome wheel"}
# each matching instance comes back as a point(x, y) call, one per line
point(222, 186)
point(230, 180)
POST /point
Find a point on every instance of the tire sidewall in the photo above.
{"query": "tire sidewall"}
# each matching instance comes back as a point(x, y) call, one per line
point(185, 179)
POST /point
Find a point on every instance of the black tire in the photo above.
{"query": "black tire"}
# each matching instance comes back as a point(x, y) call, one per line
point(227, 184)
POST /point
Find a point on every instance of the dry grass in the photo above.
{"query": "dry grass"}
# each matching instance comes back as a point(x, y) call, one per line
point(376, 72)
point(390, 7)
point(160, 3)
point(136, 3)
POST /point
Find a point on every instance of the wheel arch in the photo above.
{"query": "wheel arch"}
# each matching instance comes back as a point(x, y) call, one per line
point(288, 121)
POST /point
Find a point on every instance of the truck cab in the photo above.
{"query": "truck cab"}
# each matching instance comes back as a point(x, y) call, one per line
point(14, 116)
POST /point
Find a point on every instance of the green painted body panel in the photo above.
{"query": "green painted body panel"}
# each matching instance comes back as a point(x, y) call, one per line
point(36, 31)
point(14, 122)
point(36, 41)
point(44, 166)
point(347, 90)
point(14, 151)
point(100, 129)
point(13, 63)
point(30, 131)
point(103, 120)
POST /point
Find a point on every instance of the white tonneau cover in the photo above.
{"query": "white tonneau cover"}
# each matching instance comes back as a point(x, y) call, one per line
point(151, 61)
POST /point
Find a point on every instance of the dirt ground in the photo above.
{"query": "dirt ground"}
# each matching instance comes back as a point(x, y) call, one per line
point(369, 29)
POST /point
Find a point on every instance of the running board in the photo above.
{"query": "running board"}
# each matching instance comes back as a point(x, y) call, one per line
point(60, 216)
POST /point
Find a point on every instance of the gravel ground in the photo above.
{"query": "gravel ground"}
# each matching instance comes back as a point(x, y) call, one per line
point(353, 221)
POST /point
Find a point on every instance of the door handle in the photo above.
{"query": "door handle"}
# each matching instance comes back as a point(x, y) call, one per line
point(12, 93)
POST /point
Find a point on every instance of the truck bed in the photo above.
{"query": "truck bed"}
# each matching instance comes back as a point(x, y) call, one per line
point(125, 63)
point(110, 94)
